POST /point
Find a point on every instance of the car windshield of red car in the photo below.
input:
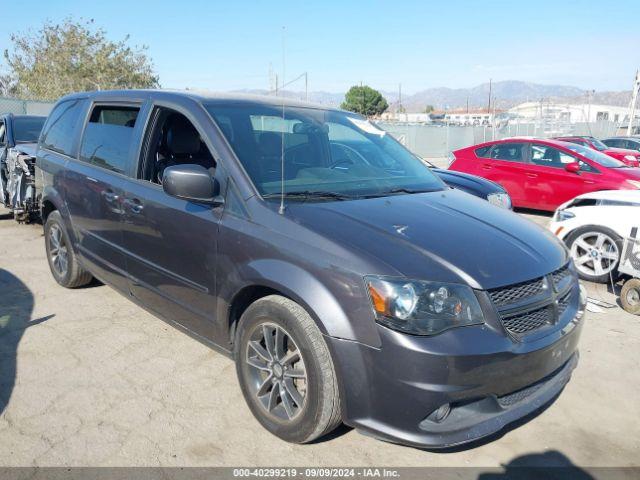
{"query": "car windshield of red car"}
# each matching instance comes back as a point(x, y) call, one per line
point(593, 155)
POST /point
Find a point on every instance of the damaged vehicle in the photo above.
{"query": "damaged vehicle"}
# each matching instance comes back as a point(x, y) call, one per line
point(367, 293)
point(18, 139)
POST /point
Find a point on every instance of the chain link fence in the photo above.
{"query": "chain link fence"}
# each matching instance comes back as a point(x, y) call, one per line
point(436, 141)
point(24, 107)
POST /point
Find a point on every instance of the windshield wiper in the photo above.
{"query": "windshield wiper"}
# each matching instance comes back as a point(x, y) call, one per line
point(410, 190)
point(305, 194)
point(395, 191)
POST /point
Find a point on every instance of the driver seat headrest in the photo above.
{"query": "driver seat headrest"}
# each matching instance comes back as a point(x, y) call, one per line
point(183, 138)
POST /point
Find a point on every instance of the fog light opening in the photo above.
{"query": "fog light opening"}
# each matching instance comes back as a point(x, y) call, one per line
point(441, 414)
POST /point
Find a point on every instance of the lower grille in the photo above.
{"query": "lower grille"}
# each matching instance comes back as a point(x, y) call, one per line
point(526, 322)
point(515, 397)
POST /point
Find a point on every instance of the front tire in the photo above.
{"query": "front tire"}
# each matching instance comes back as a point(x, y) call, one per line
point(63, 261)
point(596, 252)
point(285, 370)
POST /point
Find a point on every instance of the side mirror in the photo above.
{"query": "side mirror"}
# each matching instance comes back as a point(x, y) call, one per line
point(193, 183)
point(573, 167)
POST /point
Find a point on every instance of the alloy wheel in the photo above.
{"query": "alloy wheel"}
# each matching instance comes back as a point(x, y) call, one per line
point(58, 250)
point(278, 377)
point(595, 253)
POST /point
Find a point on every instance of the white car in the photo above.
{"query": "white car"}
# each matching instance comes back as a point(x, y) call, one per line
point(593, 227)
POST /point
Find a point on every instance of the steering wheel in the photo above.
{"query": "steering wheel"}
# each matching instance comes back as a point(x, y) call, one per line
point(341, 161)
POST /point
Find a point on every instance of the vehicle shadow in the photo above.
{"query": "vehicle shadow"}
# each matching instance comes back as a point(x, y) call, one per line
point(549, 464)
point(16, 306)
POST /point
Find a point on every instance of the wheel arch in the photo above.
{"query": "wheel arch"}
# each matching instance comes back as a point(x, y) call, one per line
point(265, 277)
point(52, 201)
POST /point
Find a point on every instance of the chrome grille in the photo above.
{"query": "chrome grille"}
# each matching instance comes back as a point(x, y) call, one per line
point(514, 293)
point(526, 322)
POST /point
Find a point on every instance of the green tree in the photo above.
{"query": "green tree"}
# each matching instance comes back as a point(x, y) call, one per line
point(364, 100)
point(429, 109)
point(75, 56)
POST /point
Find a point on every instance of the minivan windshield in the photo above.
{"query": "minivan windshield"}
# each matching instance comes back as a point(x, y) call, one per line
point(328, 154)
point(27, 129)
point(594, 155)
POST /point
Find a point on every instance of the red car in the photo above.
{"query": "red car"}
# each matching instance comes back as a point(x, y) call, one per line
point(625, 155)
point(542, 174)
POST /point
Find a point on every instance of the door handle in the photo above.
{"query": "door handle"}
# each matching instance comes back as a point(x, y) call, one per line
point(134, 205)
point(532, 175)
point(486, 167)
point(109, 196)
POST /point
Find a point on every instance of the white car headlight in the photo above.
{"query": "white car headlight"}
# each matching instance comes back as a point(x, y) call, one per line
point(562, 215)
point(630, 157)
point(420, 307)
point(635, 183)
point(500, 200)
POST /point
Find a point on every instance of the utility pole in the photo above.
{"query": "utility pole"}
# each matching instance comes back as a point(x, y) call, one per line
point(306, 86)
point(632, 105)
point(489, 105)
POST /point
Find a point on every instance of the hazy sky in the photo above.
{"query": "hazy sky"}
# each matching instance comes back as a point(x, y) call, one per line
point(223, 45)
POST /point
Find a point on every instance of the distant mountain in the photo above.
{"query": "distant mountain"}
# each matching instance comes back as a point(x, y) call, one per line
point(506, 94)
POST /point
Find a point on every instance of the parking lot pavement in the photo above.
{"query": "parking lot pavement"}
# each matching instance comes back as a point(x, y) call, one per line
point(89, 379)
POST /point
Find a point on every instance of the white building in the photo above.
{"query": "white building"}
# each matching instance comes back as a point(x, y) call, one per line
point(406, 117)
point(472, 117)
point(571, 113)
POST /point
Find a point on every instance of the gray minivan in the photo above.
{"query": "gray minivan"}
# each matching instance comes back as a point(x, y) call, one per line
point(346, 280)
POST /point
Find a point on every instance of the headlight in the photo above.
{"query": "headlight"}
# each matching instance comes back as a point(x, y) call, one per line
point(500, 200)
point(562, 215)
point(422, 308)
point(635, 183)
point(630, 157)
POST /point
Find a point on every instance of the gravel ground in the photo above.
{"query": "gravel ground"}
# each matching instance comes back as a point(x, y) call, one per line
point(89, 379)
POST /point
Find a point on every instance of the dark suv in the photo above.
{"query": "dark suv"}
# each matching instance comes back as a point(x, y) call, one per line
point(347, 282)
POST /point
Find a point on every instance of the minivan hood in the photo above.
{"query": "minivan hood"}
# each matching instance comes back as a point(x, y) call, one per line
point(447, 236)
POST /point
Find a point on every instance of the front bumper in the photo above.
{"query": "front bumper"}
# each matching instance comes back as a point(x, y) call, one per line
point(487, 379)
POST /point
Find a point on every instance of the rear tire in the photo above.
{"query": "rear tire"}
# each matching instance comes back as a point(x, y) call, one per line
point(285, 371)
point(596, 252)
point(63, 261)
point(630, 296)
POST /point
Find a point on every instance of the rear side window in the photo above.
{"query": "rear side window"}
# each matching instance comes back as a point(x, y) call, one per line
point(61, 126)
point(2, 131)
point(108, 137)
point(483, 152)
point(511, 152)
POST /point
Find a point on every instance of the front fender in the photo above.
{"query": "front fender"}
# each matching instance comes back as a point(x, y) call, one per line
point(322, 304)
